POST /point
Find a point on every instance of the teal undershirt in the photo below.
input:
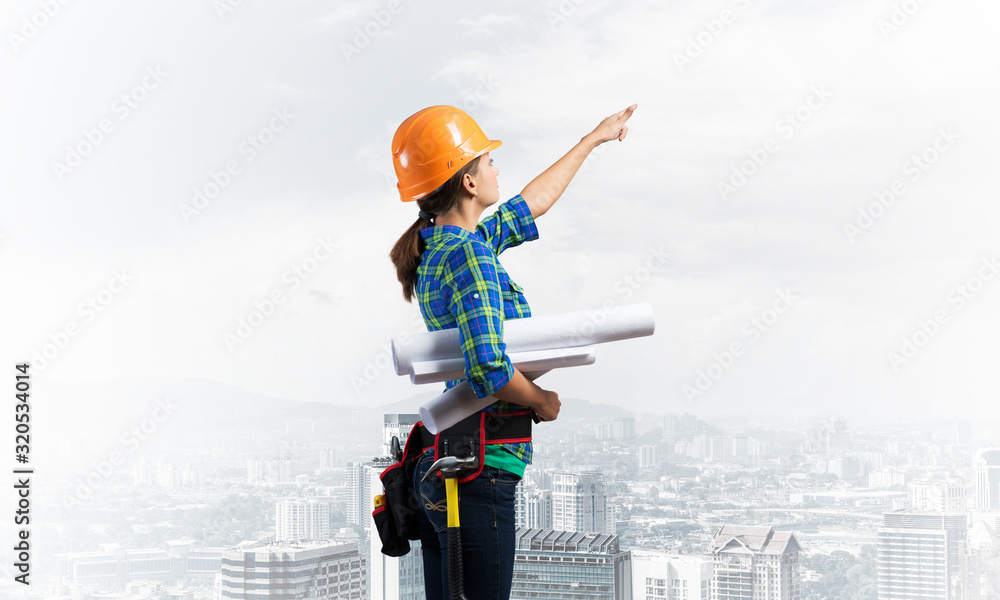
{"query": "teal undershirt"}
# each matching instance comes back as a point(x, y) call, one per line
point(499, 457)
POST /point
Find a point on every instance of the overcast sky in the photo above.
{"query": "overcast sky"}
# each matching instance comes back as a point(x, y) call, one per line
point(765, 130)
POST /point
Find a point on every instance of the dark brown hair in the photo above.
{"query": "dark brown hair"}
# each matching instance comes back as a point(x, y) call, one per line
point(409, 249)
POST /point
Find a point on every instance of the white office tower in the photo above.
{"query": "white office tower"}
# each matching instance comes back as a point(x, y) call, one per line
point(919, 555)
point(988, 480)
point(301, 519)
point(398, 425)
point(755, 563)
point(391, 578)
point(942, 496)
point(661, 576)
point(579, 503)
point(647, 457)
point(316, 569)
point(561, 565)
point(533, 506)
point(359, 493)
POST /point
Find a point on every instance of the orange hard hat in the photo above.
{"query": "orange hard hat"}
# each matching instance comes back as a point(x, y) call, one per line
point(432, 145)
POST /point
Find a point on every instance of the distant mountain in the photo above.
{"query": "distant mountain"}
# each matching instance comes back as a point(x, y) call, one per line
point(202, 405)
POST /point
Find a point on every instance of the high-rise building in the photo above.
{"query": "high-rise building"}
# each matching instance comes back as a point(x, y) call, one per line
point(315, 569)
point(359, 493)
point(579, 503)
point(398, 425)
point(919, 555)
point(753, 563)
point(988, 480)
point(647, 457)
point(560, 565)
point(940, 496)
point(660, 576)
point(533, 506)
point(301, 519)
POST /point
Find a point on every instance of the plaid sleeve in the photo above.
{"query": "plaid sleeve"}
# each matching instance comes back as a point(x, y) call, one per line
point(511, 225)
point(476, 302)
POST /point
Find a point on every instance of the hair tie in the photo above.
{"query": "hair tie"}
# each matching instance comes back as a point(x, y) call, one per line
point(425, 215)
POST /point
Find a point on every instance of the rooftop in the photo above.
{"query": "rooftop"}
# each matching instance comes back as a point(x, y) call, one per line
point(758, 540)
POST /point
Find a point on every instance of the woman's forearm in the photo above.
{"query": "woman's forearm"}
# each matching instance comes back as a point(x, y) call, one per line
point(543, 191)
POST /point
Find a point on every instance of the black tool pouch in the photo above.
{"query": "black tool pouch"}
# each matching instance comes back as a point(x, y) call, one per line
point(397, 522)
point(398, 484)
point(392, 543)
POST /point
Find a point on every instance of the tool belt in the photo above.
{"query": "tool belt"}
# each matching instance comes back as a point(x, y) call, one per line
point(396, 517)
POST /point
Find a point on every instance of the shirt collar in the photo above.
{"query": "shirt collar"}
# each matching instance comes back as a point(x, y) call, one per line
point(436, 234)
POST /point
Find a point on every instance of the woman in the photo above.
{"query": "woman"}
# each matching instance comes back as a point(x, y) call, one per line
point(448, 260)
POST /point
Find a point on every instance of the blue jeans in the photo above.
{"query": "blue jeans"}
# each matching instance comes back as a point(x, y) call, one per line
point(486, 512)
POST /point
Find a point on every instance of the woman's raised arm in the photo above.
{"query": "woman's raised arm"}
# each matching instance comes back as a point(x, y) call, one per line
point(543, 191)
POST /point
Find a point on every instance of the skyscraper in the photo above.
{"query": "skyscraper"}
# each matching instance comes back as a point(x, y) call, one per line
point(359, 493)
point(301, 519)
point(556, 565)
point(752, 563)
point(988, 480)
point(579, 503)
point(919, 555)
point(398, 425)
point(533, 506)
point(660, 576)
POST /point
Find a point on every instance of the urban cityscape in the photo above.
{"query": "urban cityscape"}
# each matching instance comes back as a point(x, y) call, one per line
point(616, 506)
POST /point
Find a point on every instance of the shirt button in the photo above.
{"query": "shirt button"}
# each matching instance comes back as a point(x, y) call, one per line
point(475, 295)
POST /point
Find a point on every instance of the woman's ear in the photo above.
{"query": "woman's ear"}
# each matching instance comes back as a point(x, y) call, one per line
point(469, 184)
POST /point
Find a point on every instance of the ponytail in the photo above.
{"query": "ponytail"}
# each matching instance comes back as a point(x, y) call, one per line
point(406, 256)
point(409, 248)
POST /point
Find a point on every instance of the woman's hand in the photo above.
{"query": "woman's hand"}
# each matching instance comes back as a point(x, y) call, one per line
point(613, 127)
point(548, 408)
point(523, 391)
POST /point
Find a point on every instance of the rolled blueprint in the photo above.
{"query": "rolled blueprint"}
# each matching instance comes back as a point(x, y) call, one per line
point(550, 332)
point(457, 403)
point(537, 360)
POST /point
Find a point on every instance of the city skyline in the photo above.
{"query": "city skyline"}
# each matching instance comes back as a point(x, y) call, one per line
point(710, 479)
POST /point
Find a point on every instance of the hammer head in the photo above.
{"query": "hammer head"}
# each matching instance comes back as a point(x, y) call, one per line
point(450, 466)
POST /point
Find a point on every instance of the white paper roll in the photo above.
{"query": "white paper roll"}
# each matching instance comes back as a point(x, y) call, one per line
point(456, 404)
point(433, 371)
point(551, 332)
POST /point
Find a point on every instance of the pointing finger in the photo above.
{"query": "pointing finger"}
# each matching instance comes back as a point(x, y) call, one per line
point(628, 112)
